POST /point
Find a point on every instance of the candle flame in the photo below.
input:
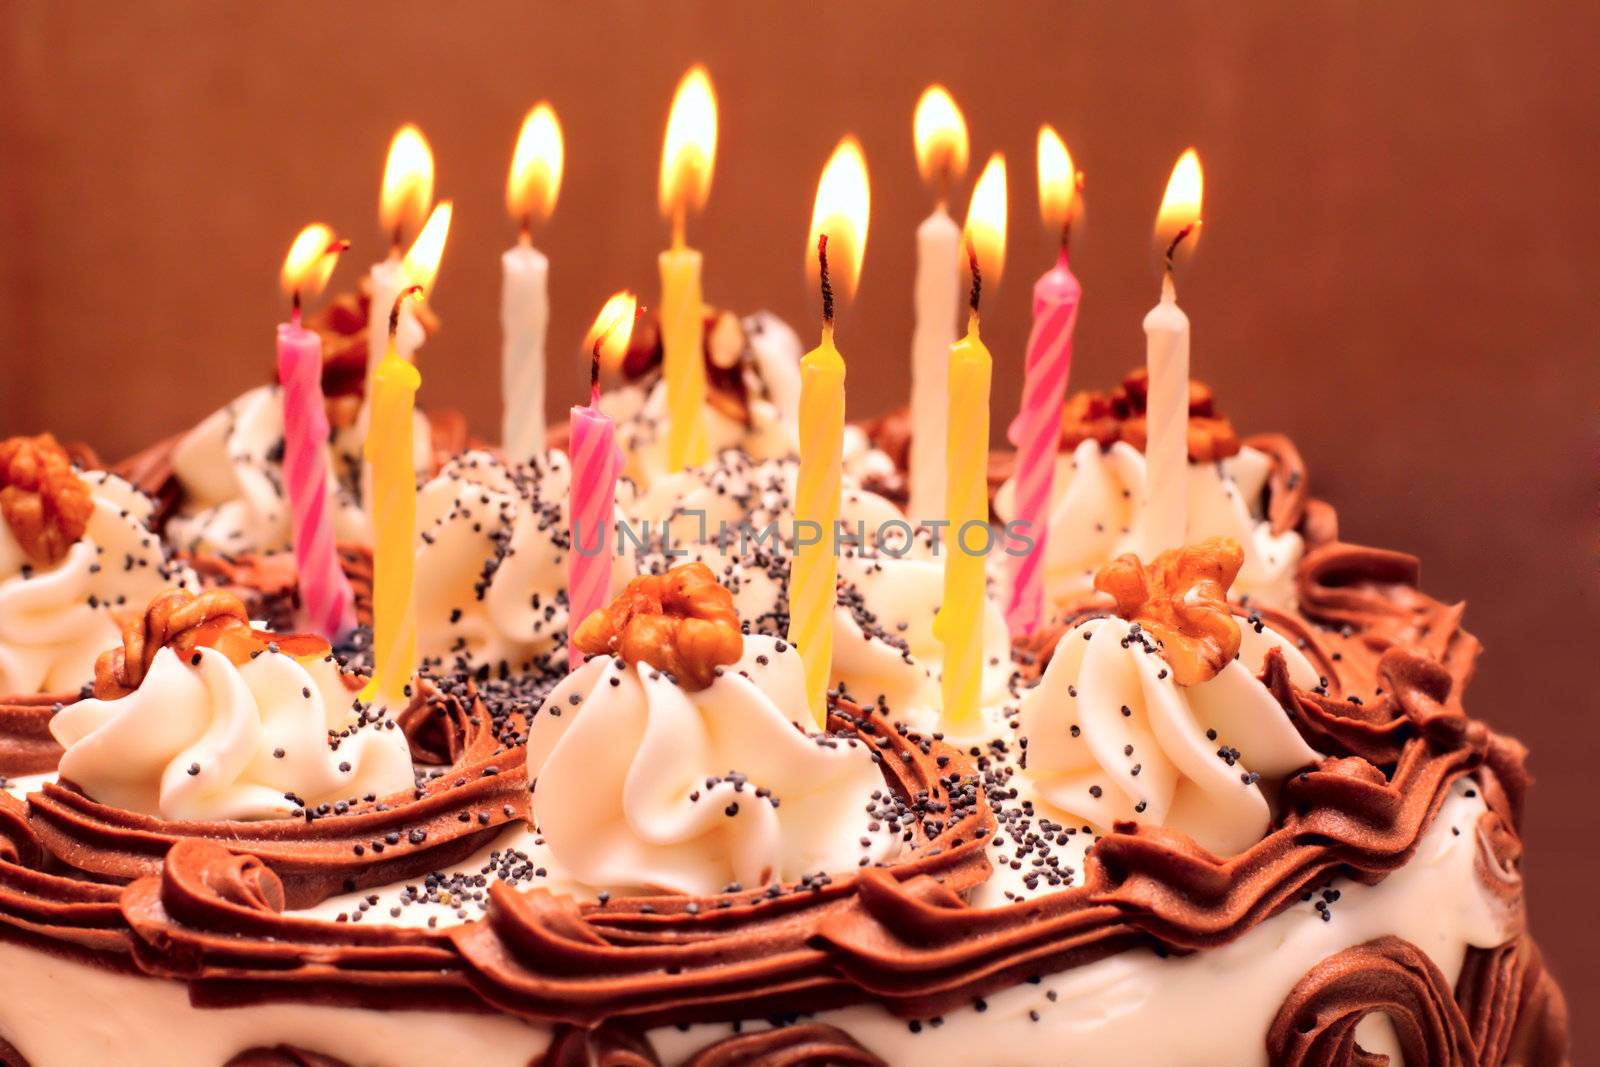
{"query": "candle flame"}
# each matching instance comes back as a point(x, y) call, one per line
point(1058, 181)
point(1178, 222)
point(844, 200)
point(940, 134)
point(986, 219)
point(535, 178)
point(311, 259)
point(613, 328)
point(690, 149)
point(407, 183)
point(421, 264)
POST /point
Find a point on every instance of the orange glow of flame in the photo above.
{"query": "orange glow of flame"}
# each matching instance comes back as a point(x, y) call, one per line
point(940, 134)
point(421, 264)
point(844, 200)
point(407, 183)
point(1180, 207)
point(310, 262)
point(986, 220)
point(1058, 181)
point(613, 328)
point(535, 178)
point(690, 149)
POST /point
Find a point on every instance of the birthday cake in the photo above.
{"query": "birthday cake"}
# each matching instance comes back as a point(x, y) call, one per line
point(576, 786)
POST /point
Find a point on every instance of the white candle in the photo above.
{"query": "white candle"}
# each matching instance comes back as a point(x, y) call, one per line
point(1166, 450)
point(532, 185)
point(938, 305)
point(940, 135)
point(1166, 328)
point(384, 284)
point(524, 319)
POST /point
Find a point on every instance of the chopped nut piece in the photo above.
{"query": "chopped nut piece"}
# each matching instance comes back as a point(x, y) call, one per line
point(1120, 416)
point(42, 498)
point(1181, 600)
point(681, 622)
point(186, 622)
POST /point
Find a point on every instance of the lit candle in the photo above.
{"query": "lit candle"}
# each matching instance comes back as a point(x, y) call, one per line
point(687, 157)
point(839, 217)
point(390, 456)
point(596, 462)
point(959, 623)
point(941, 141)
point(531, 191)
point(403, 203)
point(1166, 327)
point(325, 595)
point(418, 268)
point(1036, 432)
point(394, 561)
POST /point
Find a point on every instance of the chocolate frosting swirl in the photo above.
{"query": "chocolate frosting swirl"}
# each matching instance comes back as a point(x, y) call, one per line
point(1316, 1027)
point(801, 1045)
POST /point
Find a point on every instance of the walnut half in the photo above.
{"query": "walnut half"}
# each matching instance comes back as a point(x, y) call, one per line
point(185, 622)
point(42, 498)
point(681, 622)
point(1181, 599)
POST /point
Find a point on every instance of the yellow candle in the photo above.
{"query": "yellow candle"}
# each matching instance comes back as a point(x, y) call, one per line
point(959, 623)
point(840, 217)
point(394, 512)
point(687, 156)
point(683, 346)
point(816, 568)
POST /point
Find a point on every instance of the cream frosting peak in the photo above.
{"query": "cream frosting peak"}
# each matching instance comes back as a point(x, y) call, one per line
point(644, 786)
point(210, 740)
point(230, 467)
point(56, 620)
point(1111, 736)
point(492, 563)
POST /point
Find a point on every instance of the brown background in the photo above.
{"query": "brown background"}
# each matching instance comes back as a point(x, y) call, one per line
point(1398, 266)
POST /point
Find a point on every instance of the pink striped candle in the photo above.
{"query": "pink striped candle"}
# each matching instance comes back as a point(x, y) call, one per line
point(596, 463)
point(324, 590)
point(1036, 433)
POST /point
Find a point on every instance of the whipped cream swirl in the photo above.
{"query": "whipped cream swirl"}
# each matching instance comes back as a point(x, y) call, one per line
point(207, 739)
point(1111, 736)
point(644, 786)
point(230, 468)
point(492, 563)
point(56, 620)
point(1097, 513)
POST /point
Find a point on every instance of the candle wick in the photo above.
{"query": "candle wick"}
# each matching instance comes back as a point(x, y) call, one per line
point(294, 312)
point(397, 242)
point(525, 232)
point(827, 284)
point(1172, 249)
point(680, 226)
point(394, 313)
point(977, 277)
